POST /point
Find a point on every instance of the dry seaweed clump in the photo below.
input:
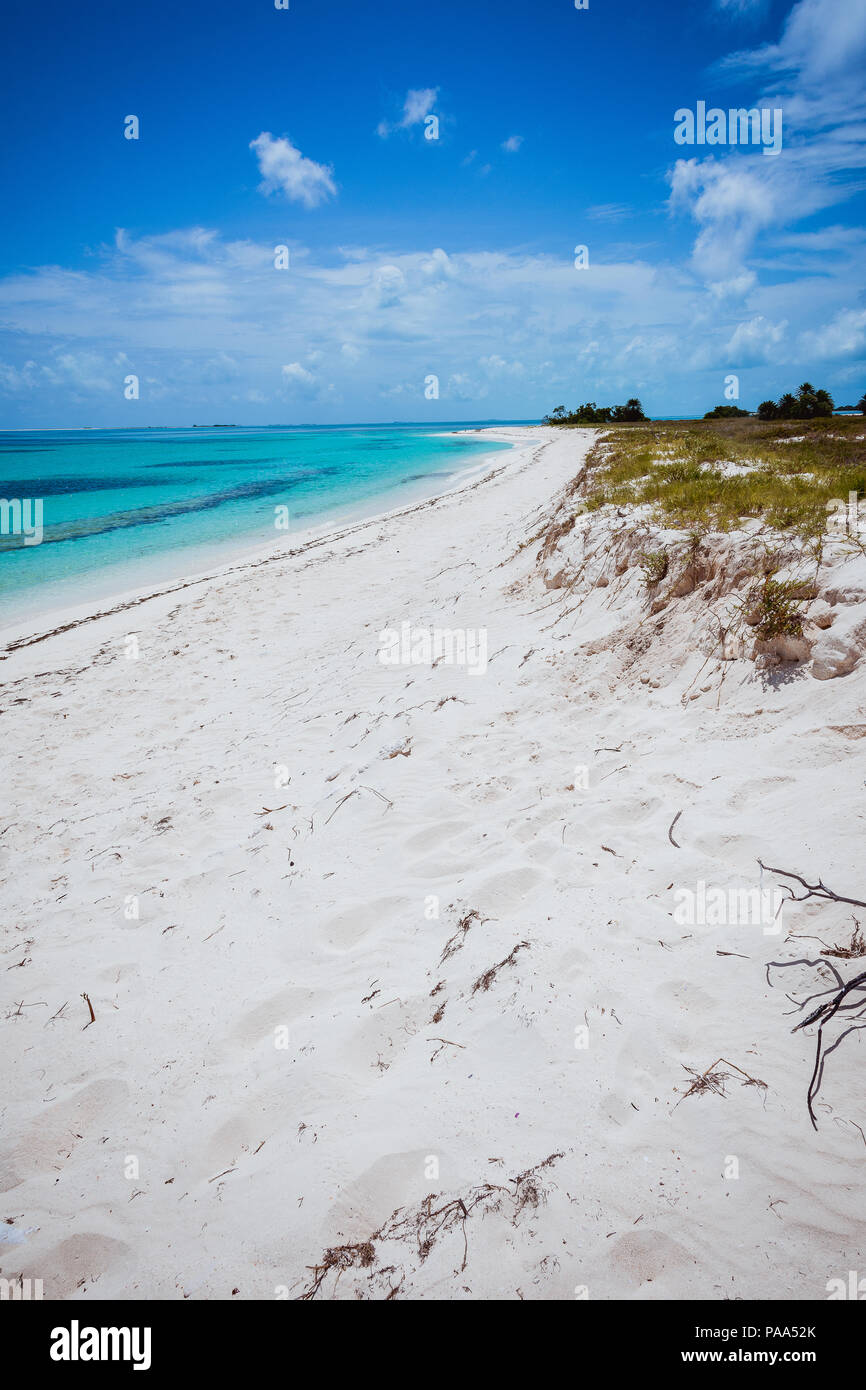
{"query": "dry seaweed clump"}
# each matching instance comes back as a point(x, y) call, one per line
point(420, 1229)
point(486, 980)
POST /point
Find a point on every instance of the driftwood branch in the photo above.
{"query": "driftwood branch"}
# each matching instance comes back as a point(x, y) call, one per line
point(813, 890)
point(841, 1004)
point(844, 1000)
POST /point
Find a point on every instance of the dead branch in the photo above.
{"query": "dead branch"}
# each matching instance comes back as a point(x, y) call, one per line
point(813, 890)
point(840, 1005)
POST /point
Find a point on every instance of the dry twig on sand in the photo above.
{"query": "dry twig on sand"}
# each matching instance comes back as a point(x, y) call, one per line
point(354, 792)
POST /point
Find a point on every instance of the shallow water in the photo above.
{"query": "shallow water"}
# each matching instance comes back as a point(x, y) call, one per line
point(125, 508)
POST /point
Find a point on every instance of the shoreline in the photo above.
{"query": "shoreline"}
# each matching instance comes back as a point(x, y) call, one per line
point(18, 632)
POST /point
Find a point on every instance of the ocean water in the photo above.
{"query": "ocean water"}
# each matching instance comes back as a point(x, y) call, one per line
point(126, 508)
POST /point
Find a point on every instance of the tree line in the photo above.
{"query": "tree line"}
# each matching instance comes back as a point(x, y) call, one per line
point(592, 414)
point(807, 404)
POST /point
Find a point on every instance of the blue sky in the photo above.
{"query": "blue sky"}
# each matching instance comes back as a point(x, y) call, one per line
point(414, 257)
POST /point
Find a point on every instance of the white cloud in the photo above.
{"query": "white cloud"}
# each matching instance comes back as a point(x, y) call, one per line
point(739, 8)
point(87, 371)
point(295, 374)
point(219, 369)
point(844, 336)
point(815, 72)
point(16, 380)
point(755, 342)
point(495, 365)
point(731, 202)
point(608, 212)
point(285, 169)
point(821, 40)
point(513, 143)
point(201, 321)
point(439, 266)
point(387, 286)
point(463, 387)
point(418, 104)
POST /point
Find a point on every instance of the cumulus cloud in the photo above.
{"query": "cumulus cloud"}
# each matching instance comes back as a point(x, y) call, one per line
point(284, 169)
point(388, 285)
point(439, 266)
point(756, 342)
point(513, 143)
point(843, 337)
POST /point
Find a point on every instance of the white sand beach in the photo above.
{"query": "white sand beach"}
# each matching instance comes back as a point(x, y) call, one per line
point(390, 997)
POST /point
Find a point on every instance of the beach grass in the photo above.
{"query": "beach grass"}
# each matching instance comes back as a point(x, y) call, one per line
point(713, 475)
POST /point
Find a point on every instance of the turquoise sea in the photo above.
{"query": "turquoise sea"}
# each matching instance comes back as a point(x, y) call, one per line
point(123, 509)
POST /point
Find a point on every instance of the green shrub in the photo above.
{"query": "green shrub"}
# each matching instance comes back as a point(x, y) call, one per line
point(654, 564)
point(777, 609)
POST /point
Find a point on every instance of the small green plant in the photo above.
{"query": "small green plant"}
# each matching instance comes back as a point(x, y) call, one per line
point(777, 609)
point(654, 564)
